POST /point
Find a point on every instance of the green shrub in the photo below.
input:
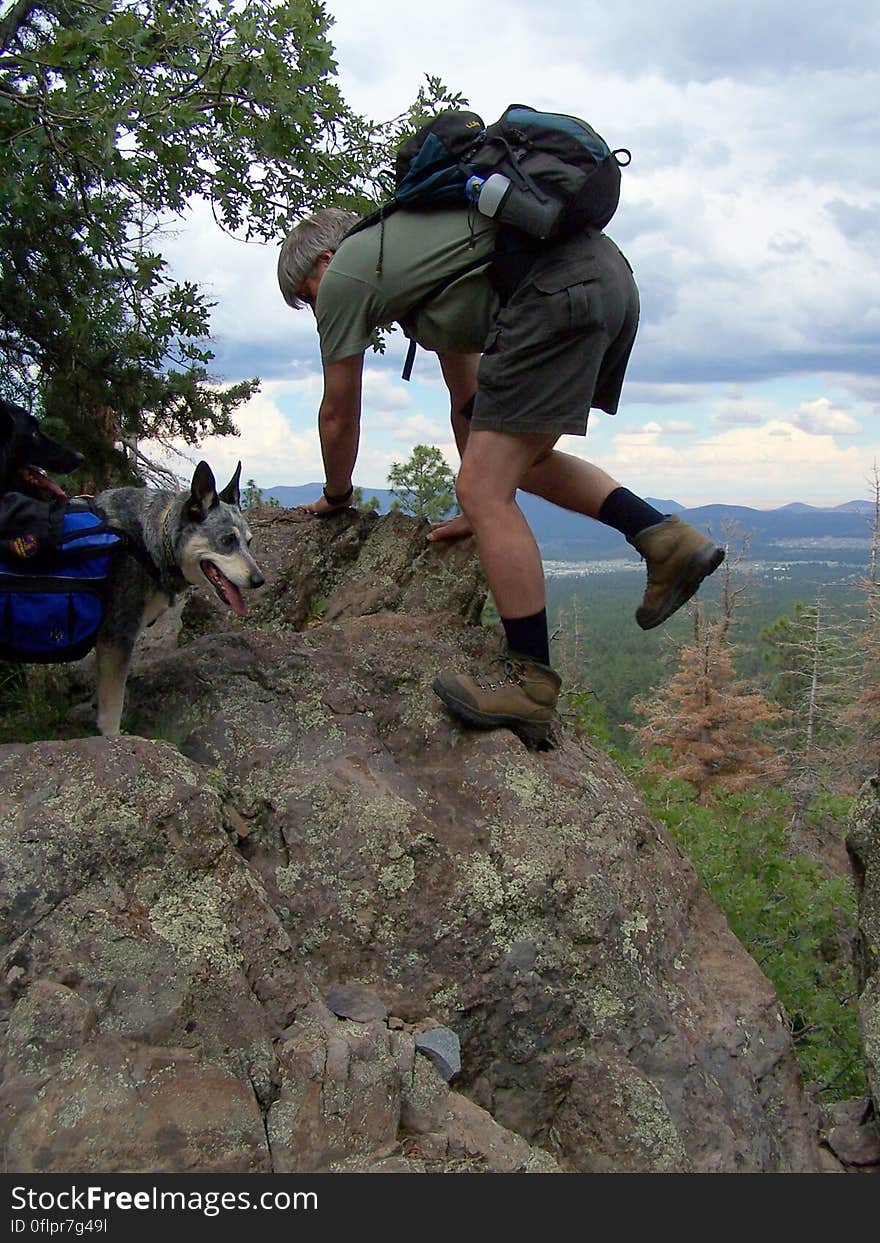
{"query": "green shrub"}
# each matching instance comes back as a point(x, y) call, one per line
point(795, 921)
point(36, 704)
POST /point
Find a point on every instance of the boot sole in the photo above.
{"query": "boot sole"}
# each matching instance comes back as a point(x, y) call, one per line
point(529, 731)
point(704, 562)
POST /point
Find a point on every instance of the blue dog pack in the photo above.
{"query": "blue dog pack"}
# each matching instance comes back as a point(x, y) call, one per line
point(52, 603)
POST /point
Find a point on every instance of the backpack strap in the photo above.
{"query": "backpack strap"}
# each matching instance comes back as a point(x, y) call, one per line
point(406, 374)
point(134, 548)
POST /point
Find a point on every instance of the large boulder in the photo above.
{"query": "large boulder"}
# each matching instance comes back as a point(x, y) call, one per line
point(325, 830)
point(156, 1015)
point(863, 844)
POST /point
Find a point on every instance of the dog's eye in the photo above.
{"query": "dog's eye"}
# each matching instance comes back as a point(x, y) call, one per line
point(230, 540)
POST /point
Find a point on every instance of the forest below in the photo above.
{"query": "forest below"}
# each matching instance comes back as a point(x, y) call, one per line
point(599, 647)
point(749, 722)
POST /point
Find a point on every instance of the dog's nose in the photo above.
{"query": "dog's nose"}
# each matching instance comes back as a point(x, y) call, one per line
point(257, 580)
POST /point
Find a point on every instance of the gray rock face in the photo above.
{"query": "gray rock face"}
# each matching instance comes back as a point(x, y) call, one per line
point(863, 844)
point(171, 922)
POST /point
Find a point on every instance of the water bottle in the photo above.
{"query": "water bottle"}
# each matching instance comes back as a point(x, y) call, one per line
point(499, 198)
point(493, 192)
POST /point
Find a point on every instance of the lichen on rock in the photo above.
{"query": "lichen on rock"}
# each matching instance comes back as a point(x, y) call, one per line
point(172, 918)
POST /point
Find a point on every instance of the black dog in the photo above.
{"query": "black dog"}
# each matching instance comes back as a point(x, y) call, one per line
point(26, 453)
point(31, 504)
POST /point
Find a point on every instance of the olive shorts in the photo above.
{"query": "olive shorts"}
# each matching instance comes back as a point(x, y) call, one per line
point(562, 342)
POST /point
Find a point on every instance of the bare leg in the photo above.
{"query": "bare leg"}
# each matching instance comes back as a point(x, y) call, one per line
point(492, 469)
point(561, 478)
point(570, 482)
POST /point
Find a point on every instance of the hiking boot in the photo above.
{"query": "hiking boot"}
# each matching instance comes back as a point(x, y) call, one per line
point(678, 558)
point(518, 693)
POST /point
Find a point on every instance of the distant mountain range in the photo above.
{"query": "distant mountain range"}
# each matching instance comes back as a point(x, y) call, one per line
point(794, 532)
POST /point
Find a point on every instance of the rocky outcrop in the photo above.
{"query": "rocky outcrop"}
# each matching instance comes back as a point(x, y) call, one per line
point(863, 844)
point(849, 1137)
point(159, 1017)
point(176, 920)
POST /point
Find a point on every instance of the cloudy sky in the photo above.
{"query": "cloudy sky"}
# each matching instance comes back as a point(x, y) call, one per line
point(750, 214)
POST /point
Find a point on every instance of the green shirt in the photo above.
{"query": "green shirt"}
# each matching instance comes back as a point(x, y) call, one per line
point(420, 250)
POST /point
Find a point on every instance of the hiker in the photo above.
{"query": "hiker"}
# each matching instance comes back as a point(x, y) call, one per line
point(524, 356)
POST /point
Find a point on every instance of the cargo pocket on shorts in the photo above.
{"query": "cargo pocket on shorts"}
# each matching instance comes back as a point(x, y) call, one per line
point(490, 345)
point(572, 299)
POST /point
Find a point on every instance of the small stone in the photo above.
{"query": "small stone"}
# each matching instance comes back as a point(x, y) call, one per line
point(432, 1146)
point(396, 1024)
point(237, 824)
point(829, 1164)
point(854, 1111)
point(443, 1047)
point(855, 1145)
point(347, 1001)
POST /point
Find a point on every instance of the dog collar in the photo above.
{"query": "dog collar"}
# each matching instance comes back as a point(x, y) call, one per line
point(171, 579)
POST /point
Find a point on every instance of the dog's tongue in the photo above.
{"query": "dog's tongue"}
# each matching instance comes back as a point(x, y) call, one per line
point(39, 482)
point(234, 599)
point(226, 588)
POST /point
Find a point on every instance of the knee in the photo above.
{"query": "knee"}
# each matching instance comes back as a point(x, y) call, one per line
point(541, 458)
point(466, 492)
point(474, 492)
point(480, 498)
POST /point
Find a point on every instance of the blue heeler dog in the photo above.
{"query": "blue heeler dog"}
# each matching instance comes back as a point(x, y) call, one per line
point(193, 537)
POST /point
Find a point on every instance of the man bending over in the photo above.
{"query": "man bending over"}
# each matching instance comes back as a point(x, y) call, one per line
point(523, 368)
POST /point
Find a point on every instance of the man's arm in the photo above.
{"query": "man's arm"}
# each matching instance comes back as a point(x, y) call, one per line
point(339, 425)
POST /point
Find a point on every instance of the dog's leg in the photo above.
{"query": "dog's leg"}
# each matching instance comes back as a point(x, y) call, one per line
point(113, 661)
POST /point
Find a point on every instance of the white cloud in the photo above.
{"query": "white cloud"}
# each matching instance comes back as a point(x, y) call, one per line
point(746, 213)
point(383, 390)
point(421, 429)
point(769, 465)
point(820, 418)
point(271, 452)
point(636, 393)
point(240, 277)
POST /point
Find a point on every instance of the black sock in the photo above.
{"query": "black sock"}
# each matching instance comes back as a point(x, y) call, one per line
point(527, 636)
point(628, 513)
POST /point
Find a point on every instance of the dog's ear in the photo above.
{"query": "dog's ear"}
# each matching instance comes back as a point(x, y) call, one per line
point(203, 496)
point(230, 493)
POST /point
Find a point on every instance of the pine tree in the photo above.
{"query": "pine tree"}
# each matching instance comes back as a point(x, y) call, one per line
point(423, 485)
point(863, 715)
point(810, 654)
point(706, 721)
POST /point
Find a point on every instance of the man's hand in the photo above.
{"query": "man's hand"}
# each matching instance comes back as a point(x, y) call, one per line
point(322, 507)
point(450, 528)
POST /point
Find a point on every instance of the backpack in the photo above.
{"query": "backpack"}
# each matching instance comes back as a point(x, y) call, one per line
point(562, 176)
point(52, 604)
point(542, 173)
